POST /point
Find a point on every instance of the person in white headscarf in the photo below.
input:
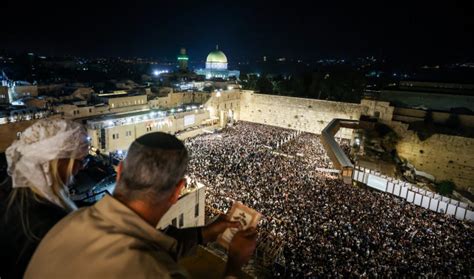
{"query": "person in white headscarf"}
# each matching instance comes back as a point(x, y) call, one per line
point(41, 164)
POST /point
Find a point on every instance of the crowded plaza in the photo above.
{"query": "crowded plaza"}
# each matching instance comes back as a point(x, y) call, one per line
point(314, 225)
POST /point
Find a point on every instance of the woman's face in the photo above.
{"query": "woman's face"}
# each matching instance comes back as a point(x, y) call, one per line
point(79, 164)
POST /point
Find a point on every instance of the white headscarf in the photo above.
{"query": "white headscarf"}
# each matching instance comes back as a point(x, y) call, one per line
point(48, 139)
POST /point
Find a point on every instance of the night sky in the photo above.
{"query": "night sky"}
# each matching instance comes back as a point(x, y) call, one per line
point(424, 30)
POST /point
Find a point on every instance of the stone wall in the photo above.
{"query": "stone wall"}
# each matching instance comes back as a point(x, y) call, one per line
point(179, 98)
point(189, 209)
point(308, 115)
point(446, 157)
point(120, 137)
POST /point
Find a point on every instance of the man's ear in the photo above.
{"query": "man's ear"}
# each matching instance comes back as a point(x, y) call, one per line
point(177, 191)
point(119, 170)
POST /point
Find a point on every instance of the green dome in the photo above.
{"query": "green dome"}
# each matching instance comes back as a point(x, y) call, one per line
point(216, 56)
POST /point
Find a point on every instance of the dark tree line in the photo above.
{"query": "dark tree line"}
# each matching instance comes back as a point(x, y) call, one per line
point(335, 84)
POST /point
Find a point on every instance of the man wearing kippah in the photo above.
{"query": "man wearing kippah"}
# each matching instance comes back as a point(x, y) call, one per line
point(117, 238)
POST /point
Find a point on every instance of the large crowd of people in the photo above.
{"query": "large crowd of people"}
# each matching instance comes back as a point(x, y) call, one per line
point(318, 225)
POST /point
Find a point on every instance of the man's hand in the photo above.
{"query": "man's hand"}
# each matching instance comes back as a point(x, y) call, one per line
point(212, 230)
point(241, 249)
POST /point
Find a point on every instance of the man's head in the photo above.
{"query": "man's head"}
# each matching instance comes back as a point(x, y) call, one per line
point(153, 170)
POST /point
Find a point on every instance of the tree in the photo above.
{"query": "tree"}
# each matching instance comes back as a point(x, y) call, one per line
point(453, 121)
point(428, 117)
point(264, 85)
point(249, 82)
point(445, 187)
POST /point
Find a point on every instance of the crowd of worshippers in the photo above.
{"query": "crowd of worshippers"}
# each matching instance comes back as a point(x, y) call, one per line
point(324, 226)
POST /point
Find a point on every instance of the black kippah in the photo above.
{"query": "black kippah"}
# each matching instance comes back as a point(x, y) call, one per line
point(160, 140)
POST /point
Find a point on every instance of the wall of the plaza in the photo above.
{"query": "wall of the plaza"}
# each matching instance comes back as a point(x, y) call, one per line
point(120, 137)
point(25, 91)
point(378, 109)
point(179, 98)
point(74, 112)
point(127, 101)
point(224, 105)
point(188, 211)
point(308, 115)
point(444, 156)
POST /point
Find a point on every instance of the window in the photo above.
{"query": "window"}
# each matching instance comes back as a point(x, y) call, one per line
point(196, 210)
point(113, 136)
point(173, 222)
point(181, 220)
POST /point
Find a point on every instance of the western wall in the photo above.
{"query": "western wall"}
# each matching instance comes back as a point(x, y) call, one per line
point(444, 156)
point(308, 115)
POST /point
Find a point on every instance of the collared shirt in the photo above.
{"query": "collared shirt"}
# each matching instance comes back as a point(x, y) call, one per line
point(109, 240)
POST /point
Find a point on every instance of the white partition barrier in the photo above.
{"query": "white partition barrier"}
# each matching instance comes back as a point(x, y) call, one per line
point(451, 209)
point(404, 192)
point(425, 202)
point(434, 204)
point(460, 213)
point(442, 207)
point(377, 182)
point(396, 190)
point(390, 187)
point(470, 215)
point(413, 194)
point(410, 196)
point(418, 198)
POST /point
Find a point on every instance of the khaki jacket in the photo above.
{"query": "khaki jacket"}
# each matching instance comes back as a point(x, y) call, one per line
point(108, 240)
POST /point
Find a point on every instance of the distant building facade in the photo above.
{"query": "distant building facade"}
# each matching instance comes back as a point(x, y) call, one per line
point(189, 210)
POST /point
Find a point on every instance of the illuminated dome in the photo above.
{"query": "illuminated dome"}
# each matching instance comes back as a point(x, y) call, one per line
point(216, 60)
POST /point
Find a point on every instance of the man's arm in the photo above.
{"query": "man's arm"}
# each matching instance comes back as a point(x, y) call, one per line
point(187, 240)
